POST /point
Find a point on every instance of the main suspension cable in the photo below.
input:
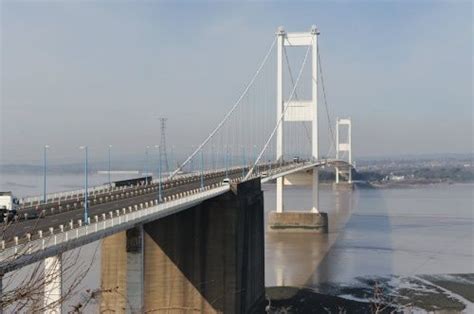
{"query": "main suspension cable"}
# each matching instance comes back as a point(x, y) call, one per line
point(320, 67)
point(281, 116)
point(228, 113)
point(293, 84)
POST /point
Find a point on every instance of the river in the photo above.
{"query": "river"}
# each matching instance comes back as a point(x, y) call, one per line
point(374, 233)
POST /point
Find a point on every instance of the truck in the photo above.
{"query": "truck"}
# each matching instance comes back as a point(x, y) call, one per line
point(9, 205)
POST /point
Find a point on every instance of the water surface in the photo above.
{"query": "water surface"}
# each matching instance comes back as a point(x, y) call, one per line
point(427, 230)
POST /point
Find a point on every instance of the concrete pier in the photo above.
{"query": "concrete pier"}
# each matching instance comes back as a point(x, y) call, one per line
point(343, 186)
point(135, 269)
point(311, 221)
point(298, 222)
point(122, 272)
point(209, 258)
point(114, 274)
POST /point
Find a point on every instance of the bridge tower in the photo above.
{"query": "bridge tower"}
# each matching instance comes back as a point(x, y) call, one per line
point(298, 111)
point(344, 149)
point(344, 152)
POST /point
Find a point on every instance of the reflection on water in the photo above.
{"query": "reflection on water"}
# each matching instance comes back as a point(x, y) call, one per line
point(426, 230)
point(291, 259)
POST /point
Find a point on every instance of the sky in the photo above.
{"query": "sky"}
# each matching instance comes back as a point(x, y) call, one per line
point(100, 72)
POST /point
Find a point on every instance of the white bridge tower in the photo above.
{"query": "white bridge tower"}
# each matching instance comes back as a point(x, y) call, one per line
point(298, 110)
point(344, 148)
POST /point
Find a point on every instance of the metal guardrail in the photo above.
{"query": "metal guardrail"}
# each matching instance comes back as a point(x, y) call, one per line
point(103, 187)
point(56, 197)
point(49, 196)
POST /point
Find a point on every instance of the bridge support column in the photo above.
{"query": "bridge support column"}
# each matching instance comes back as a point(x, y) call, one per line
point(315, 194)
point(53, 284)
point(280, 110)
point(122, 272)
point(343, 185)
point(114, 273)
point(208, 258)
point(344, 149)
point(279, 194)
point(135, 276)
point(301, 221)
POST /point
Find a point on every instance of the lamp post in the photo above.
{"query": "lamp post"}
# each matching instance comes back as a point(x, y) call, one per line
point(213, 159)
point(255, 157)
point(230, 160)
point(202, 169)
point(86, 205)
point(45, 148)
point(192, 160)
point(243, 161)
point(172, 158)
point(226, 161)
point(110, 182)
point(146, 165)
point(159, 174)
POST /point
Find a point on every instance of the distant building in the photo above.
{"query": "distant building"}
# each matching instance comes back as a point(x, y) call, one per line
point(393, 177)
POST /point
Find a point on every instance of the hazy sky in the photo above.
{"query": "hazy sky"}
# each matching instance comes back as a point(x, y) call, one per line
point(99, 72)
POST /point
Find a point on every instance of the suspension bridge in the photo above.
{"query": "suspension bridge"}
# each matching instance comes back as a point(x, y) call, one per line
point(269, 134)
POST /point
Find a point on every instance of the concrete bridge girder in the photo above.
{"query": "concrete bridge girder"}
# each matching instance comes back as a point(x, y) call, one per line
point(208, 258)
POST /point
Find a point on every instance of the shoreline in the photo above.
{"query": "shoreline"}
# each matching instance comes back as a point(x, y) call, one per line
point(428, 293)
point(414, 185)
point(400, 185)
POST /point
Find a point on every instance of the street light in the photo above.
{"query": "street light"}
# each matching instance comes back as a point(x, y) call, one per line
point(159, 173)
point(172, 158)
point(146, 165)
point(192, 160)
point(44, 172)
point(202, 169)
point(213, 163)
point(86, 205)
point(244, 161)
point(255, 157)
point(110, 182)
point(226, 162)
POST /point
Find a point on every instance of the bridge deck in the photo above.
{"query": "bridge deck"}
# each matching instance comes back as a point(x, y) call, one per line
point(28, 240)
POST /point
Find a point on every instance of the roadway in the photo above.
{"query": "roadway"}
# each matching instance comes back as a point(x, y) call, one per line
point(134, 195)
point(68, 213)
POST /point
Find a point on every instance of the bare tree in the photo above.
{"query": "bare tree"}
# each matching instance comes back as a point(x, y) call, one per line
point(24, 289)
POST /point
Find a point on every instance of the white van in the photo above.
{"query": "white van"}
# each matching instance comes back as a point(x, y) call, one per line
point(9, 205)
